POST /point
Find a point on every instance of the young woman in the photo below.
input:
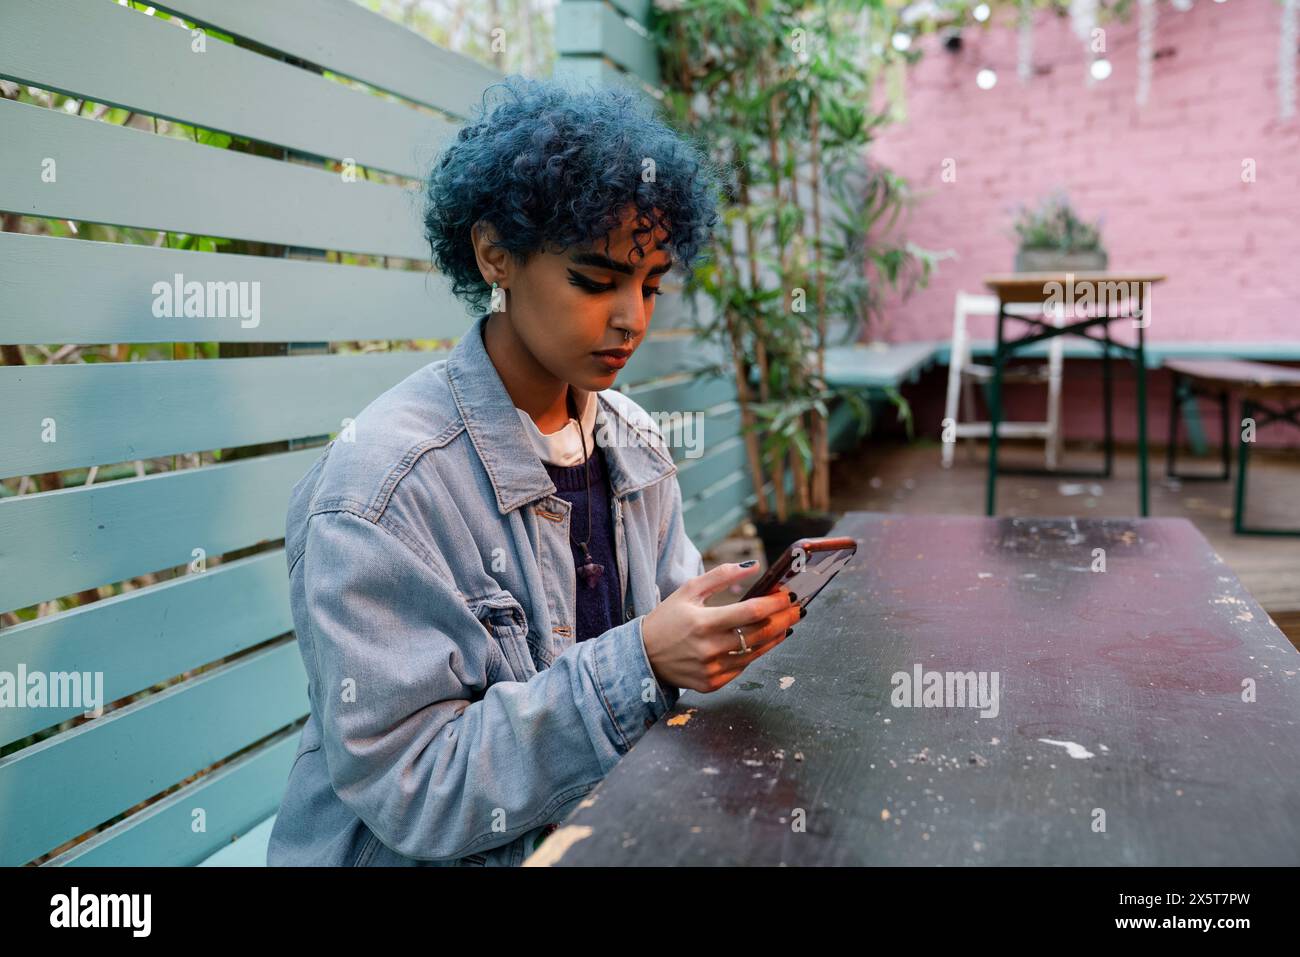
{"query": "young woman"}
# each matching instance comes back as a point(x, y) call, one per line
point(491, 585)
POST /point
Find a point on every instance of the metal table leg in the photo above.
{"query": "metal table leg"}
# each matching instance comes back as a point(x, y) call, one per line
point(1224, 448)
point(1239, 496)
point(1184, 391)
point(1108, 387)
point(995, 418)
point(1175, 413)
point(1141, 360)
point(1262, 414)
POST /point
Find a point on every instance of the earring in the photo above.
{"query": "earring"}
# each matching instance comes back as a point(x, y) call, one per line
point(498, 299)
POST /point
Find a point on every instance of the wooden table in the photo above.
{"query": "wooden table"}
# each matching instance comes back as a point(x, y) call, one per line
point(1268, 393)
point(1095, 300)
point(1139, 667)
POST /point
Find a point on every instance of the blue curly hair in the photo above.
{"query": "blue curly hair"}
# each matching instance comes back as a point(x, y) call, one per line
point(551, 167)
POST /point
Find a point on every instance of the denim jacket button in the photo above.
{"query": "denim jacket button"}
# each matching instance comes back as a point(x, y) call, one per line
point(628, 615)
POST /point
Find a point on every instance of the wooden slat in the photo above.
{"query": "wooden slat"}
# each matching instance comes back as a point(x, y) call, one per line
point(1036, 287)
point(661, 356)
point(720, 425)
point(865, 367)
point(249, 851)
point(57, 45)
point(110, 412)
point(110, 297)
point(709, 516)
point(234, 799)
point(593, 28)
point(674, 311)
point(57, 543)
point(1156, 352)
point(344, 38)
point(687, 395)
point(708, 535)
point(722, 461)
point(124, 177)
point(593, 71)
point(142, 637)
point(717, 499)
point(75, 780)
point(1237, 374)
point(638, 10)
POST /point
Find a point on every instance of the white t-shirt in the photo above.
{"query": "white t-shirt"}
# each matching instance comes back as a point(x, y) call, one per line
point(565, 446)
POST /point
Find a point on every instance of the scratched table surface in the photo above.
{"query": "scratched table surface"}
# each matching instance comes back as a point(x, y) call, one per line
point(1126, 730)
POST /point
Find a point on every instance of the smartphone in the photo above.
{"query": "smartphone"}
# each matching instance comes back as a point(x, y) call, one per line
point(806, 567)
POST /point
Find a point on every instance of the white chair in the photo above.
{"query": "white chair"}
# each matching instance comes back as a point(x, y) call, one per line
point(962, 373)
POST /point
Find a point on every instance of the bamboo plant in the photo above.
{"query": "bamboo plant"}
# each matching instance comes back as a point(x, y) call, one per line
point(777, 92)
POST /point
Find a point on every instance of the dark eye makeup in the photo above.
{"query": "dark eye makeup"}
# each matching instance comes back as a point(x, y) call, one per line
point(586, 285)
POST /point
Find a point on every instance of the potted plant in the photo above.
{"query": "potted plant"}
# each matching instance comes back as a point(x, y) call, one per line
point(778, 95)
point(1053, 238)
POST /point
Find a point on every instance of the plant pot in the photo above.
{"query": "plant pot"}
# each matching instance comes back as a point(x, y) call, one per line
point(1055, 260)
point(777, 535)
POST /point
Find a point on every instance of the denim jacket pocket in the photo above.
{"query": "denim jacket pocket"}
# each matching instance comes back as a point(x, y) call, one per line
point(504, 620)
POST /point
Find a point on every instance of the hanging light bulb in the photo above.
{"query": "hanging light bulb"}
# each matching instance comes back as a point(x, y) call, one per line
point(981, 12)
point(1100, 69)
point(902, 41)
point(986, 79)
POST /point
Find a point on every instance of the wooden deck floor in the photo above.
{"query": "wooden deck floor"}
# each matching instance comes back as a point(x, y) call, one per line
point(908, 479)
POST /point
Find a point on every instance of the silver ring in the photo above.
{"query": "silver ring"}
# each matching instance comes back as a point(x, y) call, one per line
point(744, 648)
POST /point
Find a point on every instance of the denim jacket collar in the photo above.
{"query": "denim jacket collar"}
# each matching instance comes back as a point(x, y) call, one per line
point(517, 474)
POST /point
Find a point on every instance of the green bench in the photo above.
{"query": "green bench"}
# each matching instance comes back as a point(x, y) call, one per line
point(191, 772)
point(1268, 393)
point(875, 369)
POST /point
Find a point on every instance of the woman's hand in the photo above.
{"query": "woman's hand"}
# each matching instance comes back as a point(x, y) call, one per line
point(687, 641)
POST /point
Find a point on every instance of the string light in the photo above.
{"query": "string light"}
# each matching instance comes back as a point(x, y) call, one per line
point(1025, 42)
point(1096, 67)
point(1146, 44)
point(901, 41)
point(981, 12)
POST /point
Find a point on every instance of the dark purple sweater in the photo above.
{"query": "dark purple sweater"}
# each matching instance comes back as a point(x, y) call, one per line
point(599, 608)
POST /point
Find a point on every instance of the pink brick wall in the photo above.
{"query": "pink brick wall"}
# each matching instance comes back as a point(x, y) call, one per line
point(1166, 177)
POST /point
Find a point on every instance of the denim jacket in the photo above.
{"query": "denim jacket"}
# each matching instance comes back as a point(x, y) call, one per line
point(453, 715)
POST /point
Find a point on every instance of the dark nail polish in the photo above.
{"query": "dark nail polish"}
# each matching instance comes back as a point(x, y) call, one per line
point(793, 598)
point(752, 561)
point(802, 612)
point(789, 632)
